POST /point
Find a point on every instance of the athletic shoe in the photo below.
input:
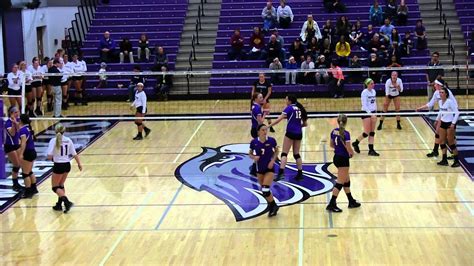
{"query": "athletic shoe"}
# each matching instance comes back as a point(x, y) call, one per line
point(451, 157)
point(456, 164)
point(299, 177)
point(18, 187)
point(379, 127)
point(432, 154)
point(272, 130)
point(278, 177)
point(356, 147)
point(138, 137)
point(353, 204)
point(38, 111)
point(399, 127)
point(373, 153)
point(333, 208)
point(67, 206)
point(147, 132)
point(34, 191)
point(443, 162)
point(27, 194)
point(58, 207)
point(273, 210)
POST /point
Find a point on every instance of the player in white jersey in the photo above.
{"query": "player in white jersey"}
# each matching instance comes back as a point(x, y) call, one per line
point(30, 98)
point(69, 69)
point(369, 105)
point(393, 88)
point(46, 87)
point(61, 151)
point(447, 117)
point(79, 67)
point(438, 84)
point(36, 84)
point(65, 84)
point(14, 86)
point(140, 110)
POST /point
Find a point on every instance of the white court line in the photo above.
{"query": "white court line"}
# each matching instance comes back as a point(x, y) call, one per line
point(418, 133)
point(461, 196)
point(301, 230)
point(189, 141)
point(132, 221)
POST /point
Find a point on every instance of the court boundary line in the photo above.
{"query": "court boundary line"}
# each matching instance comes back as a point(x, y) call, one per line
point(464, 201)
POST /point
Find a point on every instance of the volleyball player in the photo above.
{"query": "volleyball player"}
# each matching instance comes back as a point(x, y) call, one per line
point(264, 87)
point(66, 71)
point(14, 86)
point(27, 156)
point(12, 144)
point(257, 119)
point(447, 117)
point(297, 117)
point(393, 88)
point(369, 105)
point(78, 68)
point(61, 151)
point(341, 143)
point(30, 99)
point(438, 84)
point(264, 152)
point(140, 105)
point(69, 68)
point(36, 85)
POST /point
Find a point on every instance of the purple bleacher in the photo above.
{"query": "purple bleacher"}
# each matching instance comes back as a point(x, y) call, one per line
point(464, 10)
point(246, 14)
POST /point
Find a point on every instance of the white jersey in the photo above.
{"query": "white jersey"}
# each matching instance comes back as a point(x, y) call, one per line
point(28, 76)
point(83, 64)
point(37, 73)
point(66, 72)
point(448, 111)
point(367, 99)
point(78, 67)
point(140, 100)
point(69, 67)
point(14, 80)
point(391, 90)
point(44, 69)
point(65, 153)
point(436, 98)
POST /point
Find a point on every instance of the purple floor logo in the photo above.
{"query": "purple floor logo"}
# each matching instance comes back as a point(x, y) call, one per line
point(224, 172)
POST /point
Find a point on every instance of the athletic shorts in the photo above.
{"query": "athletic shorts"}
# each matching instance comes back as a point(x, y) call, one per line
point(46, 82)
point(76, 78)
point(445, 125)
point(140, 110)
point(266, 170)
point(29, 155)
point(10, 148)
point(340, 161)
point(61, 168)
point(36, 84)
point(392, 97)
point(14, 92)
point(64, 83)
point(28, 88)
point(253, 132)
point(294, 136)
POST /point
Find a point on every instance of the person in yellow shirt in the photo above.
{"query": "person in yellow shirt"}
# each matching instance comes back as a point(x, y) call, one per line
point(343, 50)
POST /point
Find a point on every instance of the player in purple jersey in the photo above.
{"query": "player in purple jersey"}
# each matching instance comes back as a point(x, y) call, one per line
point(27, 156)
point(341, 143)
point(12, 144)
point(264, 151)
point(297, 116)
point(257, 119)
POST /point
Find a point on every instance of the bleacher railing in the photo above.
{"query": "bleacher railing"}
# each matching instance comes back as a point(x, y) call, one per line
point(81, 24)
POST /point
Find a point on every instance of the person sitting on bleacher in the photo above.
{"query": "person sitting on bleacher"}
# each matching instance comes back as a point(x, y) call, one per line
point(355, 76)
point(376, 46)
point(402, 14)
point(386, 30)
point(284, 15)
point(406, 44)
point(269, 16)
point(328, 31)
point(332, 6)
point(309, 30)
point(273, 50)
point(236, 51)
point(126, 50)
point(307, 77)
point(313, 48)
point(133, 83)
point(356, 34)
point(161, 59)
point(290, 76)
point(376, 14)
point(143, 50)
point(257, 44)
point(107, 48)
point(343, 50)
point(367, 36)
point(374, 61)
point(297, 51)
point(420, 33)
point(390, 11)
point(343, 26)
point(276, 78)
point(327, 50)
point(322, 76)
point(164, 84)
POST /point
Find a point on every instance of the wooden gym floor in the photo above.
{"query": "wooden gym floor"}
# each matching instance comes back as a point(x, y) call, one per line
point(130, 209)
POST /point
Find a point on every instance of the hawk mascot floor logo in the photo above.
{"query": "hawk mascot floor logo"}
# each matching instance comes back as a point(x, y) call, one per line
point(224, 172)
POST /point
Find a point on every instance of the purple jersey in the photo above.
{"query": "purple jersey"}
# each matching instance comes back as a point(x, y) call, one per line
point(256, 111)
point(25, 131)
point(293, 114)
point(339, 145)
point(265, 150)
point(11, 140)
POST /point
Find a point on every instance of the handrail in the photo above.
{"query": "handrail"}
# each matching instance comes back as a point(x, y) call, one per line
point(449, 41)
point(202, 8)
point(197, 32)
point(445, 25)
point(440, 11)
point(82, 22)
point(190, 60)
point(199, 17)
point(193, 46)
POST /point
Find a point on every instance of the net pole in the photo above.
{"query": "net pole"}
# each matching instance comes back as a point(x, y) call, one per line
point(23, 98)
point(467, 75)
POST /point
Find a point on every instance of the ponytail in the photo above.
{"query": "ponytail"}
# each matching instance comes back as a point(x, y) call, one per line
point(304, 113)
point(254, 97)
point(59, 129)
point(342, 121)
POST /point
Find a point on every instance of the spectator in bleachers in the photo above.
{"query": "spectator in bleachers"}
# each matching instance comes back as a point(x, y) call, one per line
point(279, 38)
point(327, 50)
point(273, 50)
point(297, 51)
point(236, 51)
point(269, 16)
point(276, 78)
point(107, 48)
point(143, 50)
point(284, 15)
point(164, 84)
point(377, 47)
point(307, 77)
point(328, 31)
point(374, 61)
point(420, 33)
point(390, 11)
point(354, 76)
point(336, 81)
point(257, 43)
point(309, 30)
point(343, 27)
point(386, 30)
point(394, 51)
point(290, 76)
point(395, 37)
point(406, 44)
point(102, 76)
point(133, 83)
point(356, 34)
point(394, 62)
point(402, 14)
point(313, 48)
point(367, 36)
point(433, 74)
point(126, 50)
point(322, 76)
point(343, 50)
point(161, 59)
point(332, 6)
point(376, 14)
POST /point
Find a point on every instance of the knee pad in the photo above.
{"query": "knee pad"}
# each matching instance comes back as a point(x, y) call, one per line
point(364, 135)
point(61, 187)
point(55, 188)
point(437, 136)
point(283, 154)
point(15, 169)
point(338, 186)
point(442, 146)
point(23, 175)
point(266, 191)
point(452, 147)
point(30, 174)
point(347, 184)
point(138, 123)
point(372, 134)
point(296, 156)
point(39, 99)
